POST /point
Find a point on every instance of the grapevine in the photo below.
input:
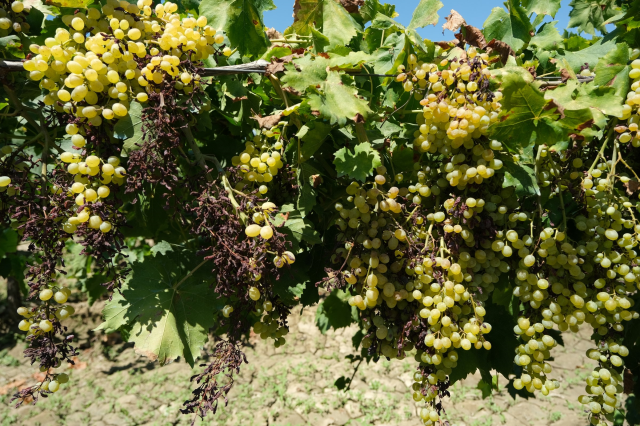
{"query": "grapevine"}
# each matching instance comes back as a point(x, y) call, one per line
point(459, 198)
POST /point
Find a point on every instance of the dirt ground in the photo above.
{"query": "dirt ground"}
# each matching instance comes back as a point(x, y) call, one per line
point(292, 385)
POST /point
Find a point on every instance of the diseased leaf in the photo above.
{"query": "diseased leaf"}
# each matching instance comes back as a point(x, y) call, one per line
point(337, 101)
point(357, 164)
point(425, 14)
point(601, 100)
point(166, 304)
point(511, 27)
point(129, 129)
point(311, 73)
point(242, 22)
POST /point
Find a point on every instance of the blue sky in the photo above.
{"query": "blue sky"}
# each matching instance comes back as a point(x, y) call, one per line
point(475, 12)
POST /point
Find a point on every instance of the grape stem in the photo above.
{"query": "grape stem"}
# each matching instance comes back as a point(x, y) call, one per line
point(536, 171)
point(278, 88)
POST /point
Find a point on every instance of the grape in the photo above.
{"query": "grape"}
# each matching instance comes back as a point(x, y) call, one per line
point(4, 181)
point(46, 294)
point(45, 325)
point(60, 297)
point(253, 230)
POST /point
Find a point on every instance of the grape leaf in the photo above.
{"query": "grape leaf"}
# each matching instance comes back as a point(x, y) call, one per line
point(590, 15)
point(328, 16)
point(402, 159)
point(542, 7)
point(8, 241)
point(601, 100)
point(337, 101)
point(612, 70)
point(511, 27)
point(393, 52)
point(334, 312)
point(298, 229)
point(129, 128)
point(310, 73)
point(242, 22)
point(372, 7)
point(167, 304)
point(547, 37)
point(71, 3)
point(312, 135)
point(526, 116)
point(93, 287)
point(520, 176)
point(357, 164)
point(426, 13)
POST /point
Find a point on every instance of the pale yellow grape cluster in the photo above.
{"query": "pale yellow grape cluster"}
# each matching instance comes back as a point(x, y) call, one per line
point(453, 125)
point(61, 312)
point(605, 385)
point(97, 67)
point(92, 177)
point(259, 163)
point(13, 17)
point(631, 109)
point(439, 288)
point(34, 324)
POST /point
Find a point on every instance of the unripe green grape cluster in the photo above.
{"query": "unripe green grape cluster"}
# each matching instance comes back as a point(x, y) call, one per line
point(92, 178)
point(97, 67)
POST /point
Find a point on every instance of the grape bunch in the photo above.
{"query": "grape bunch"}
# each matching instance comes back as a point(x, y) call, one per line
point(259, 162)
point(116, 55)
point(13, 17)
point(91, 179)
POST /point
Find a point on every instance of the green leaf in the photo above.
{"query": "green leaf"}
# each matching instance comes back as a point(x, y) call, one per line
point(612, 70)
point(425, 14)
point(542, 7)
point(93, 287)
point(393, 52)
point(8, 241)
point(129, 129)
point(242, 22)
point(311, 73)
point(520, 176)
point(75, 4)
point(357, 164)
point(312, 135)
point(320, 41)
point(526, 118)
point(547, 38)
point(337, 101)
point(511, 27)
point(402, 159)
point(335, 312)
point(590, 55)
point(306, 193)
point(297, 227)
point(167, 304)
point(601, 100)
point(329, 17)
point(372, 7)
point(590, 15)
